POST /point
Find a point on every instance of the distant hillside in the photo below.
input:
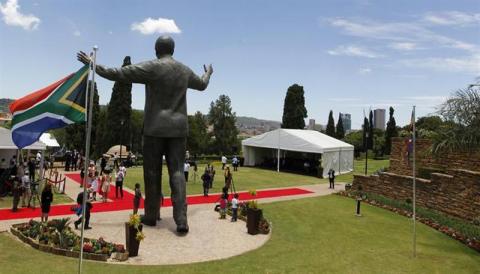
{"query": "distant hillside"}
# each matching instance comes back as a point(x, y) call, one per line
point(250, 122)
point(4, 103)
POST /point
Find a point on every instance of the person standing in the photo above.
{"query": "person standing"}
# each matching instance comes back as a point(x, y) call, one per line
point(235, 207)
point(46, 200)
point(224, 161)
point(103, 164)
point(235, 163)
point(17, 192)
point(186, 169)
point(228, 178)
point(26, 189)
point(331, 178)
point(115, 161)
point(31, 170)
point(107, 180)
point(136, 199)
point(206, 182)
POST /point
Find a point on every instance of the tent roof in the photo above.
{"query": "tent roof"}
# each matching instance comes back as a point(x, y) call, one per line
point(6, 141)
point(297, 140)
point(116, 149)
point(49, 140)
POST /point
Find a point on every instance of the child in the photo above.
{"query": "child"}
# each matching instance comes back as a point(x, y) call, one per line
point(136, 200)
point(46, 201)
point(234, 207)
point(94, 186)
point(107, 179)
point(223, 207)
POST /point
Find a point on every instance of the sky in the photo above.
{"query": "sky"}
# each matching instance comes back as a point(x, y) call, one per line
point(350, 56)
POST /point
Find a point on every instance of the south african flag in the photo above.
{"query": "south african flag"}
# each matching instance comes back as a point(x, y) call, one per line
point(57, 105)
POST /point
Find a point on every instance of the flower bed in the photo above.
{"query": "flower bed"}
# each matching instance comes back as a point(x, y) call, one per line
point(57, 237)
point(470, 235)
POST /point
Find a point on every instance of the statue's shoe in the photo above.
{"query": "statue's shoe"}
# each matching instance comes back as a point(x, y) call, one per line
point(182, 228)
point(147, 221)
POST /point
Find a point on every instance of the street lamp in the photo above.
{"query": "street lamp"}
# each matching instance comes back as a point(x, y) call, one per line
point(366, 152)
point(122, 121)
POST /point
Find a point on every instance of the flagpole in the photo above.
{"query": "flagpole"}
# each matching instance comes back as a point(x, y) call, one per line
point(90, 92)
point(414, 188)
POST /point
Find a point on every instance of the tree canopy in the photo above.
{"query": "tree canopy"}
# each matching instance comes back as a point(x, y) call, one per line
point(224, 130)
point(294, 111)
point(340, 131)
point(330, 129)
point(390, 132)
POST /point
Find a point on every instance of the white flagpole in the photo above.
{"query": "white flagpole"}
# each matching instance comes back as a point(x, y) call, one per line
point(90, 93)
point(414, 187)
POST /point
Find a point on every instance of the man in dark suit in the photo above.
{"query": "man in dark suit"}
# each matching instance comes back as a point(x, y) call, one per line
point(165, 124)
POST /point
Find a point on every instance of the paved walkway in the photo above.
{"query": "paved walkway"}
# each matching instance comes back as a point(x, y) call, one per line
point(209, 238)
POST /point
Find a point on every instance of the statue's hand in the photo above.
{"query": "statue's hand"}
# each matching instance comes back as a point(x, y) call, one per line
point(208, 69)
point(83, 57)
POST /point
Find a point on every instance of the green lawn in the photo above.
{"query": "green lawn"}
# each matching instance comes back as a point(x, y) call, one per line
point(7, 202)
point(314, 235)
point(247, 178)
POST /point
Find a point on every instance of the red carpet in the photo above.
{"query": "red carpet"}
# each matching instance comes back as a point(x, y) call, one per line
point(127, 202)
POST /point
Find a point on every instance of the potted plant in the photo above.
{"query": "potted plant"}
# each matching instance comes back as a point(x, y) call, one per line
point(133, 235)
point(254, 214)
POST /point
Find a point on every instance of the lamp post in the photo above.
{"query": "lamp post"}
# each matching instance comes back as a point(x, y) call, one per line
point(366, 152)
point(122, 121)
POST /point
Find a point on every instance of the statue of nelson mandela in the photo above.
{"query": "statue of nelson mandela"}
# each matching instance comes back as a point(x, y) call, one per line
point(165, 124)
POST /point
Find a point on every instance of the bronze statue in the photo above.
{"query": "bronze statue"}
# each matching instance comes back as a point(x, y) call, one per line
point(165, 124)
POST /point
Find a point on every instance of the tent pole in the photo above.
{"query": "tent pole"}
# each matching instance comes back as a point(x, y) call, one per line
point(278, 160)
point(339, 163)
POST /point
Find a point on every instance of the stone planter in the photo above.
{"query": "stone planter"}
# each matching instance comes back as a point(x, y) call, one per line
point(253, 219)
point(121, 256)
point(132, 244)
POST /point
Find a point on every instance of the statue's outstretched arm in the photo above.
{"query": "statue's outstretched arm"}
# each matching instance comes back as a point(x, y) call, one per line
point(200, 83)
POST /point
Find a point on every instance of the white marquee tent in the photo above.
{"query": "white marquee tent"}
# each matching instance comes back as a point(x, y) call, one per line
point(8, 148)
point(336, 155)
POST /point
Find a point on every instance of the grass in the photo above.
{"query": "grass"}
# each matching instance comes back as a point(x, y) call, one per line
point(7, 202)
point(247, 178)
point(314, 235)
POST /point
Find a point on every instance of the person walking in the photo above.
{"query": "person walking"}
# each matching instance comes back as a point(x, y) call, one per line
point(81, 211)
point(331, 178)
point(46, 200)
point(228, 178)
point(186, 169)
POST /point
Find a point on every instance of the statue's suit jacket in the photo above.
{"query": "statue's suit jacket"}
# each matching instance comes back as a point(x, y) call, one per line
point(166, 82)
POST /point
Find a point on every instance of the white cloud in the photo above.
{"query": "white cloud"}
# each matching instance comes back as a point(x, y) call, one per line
point(13, 17)
point(160, 25)
point(77, 33)
point(405, 46)
point(353, 51)
point(365, 70)
point(468, 64)
point(413, 33)
point(450, 18)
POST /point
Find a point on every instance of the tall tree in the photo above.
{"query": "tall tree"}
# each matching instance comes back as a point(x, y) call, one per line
point(390, 132)
point(370, 130)
point(75, 134)
point(330, 130)
point(294, 111)
point(366, 130)
point(340, 129)
point(223, 120)
point(197, 139)
point(136, 130)
point(118, 124)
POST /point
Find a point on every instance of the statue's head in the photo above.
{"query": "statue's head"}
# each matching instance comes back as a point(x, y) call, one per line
point(164, 46)
point(126, 61)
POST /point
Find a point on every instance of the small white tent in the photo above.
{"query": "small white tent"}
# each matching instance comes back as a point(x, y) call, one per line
point(336, 155)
